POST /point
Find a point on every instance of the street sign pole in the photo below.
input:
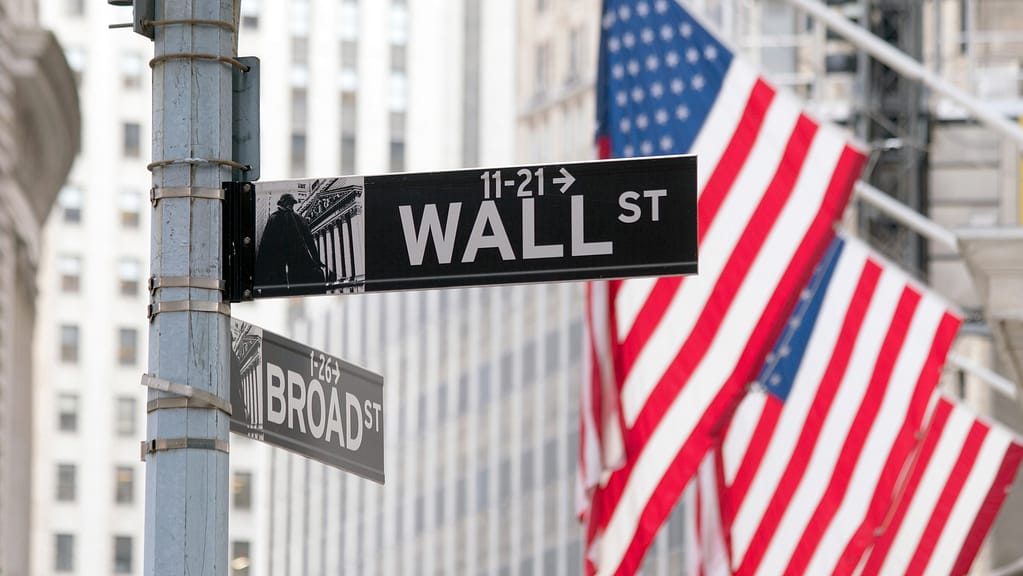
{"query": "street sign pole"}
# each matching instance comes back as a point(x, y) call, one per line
point(186, 447)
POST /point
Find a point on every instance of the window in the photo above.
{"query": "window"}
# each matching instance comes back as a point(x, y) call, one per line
point(398, 59)
point(70, 267)
point(575, 54)
point(70, 201)
point(240, 552)
point(397, 141)
point(399, 25)
point(129, 273)
point(69, 343)
point(397, 156)
point(132, 139)
point(64, 553)
point(241, 490)
point(67, 412)
point(122, 555)
point(349, 19)
point(298, 109)
point(124, 485)
point(542, 68)
point(130, 205)
point(131, 70)
point(297, 152)
point(125, 416)
point(127, 346)
point(348, 123)
point(299, 51)
point(250, 14)
point(65, 482)
point(349, 64)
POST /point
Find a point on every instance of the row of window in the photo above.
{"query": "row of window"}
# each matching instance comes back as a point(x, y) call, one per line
point(123, 559)
point(64, 554)
point(575, 53)
point(70, 344)
point(67, 484)
point(69, 406)
point(124, 486)
point(129, 206)
point(129, 274)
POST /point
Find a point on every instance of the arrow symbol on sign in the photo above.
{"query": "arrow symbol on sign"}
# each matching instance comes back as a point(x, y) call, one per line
point(566, 180)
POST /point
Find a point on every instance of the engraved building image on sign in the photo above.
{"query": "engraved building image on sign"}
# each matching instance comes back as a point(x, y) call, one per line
point(309, 236)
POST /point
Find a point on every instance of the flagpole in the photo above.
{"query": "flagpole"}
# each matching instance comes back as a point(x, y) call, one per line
point(911, 68)
point(907, 216)
point(993, 379)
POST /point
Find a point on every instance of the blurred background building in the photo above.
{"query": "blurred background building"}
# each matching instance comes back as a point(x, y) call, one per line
point(39, 131)
point(480, 384)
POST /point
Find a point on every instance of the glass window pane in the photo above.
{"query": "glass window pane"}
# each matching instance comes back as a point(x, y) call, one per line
point(129, 273)
point(65, 482)
point(70, 267)
point(132, 134)
point(69, 343)
point(124, 485)
point(130, 205)
point(67, 412)
point(70, 201)
point(64, 549)
point(240, 558)
point(241, 489)
point(122, 555)
point(125, 416)
point(127, 346)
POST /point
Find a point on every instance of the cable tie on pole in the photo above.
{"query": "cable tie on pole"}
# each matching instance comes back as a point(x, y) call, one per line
point(156, 194)
point(163, 444)
point(220, 23)
point(192, 161)
point(185, 396)
point(157, 282)
point(198, 56)
point(155, 308)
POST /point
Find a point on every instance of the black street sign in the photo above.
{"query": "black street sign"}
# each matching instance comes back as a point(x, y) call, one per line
point(539, 223)
point(294, 397)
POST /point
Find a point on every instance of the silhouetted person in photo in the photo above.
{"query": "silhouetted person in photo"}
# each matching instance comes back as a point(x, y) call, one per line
point(287, 252)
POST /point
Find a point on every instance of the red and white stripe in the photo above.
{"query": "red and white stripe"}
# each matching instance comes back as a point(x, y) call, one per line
point(959, 478)
point(772, 183)
point(809, 480)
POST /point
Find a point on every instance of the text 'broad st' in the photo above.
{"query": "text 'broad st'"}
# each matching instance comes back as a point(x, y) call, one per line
point(294, 397)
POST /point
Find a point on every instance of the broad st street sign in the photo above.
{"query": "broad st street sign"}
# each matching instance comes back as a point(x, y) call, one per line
point(294, 397)
point(538, 223)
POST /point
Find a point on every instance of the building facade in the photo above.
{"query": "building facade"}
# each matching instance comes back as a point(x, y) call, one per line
point(39, 137)
point(88, 508)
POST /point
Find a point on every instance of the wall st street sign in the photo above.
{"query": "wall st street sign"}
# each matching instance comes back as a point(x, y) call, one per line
point(295, 397)
point(538, 223)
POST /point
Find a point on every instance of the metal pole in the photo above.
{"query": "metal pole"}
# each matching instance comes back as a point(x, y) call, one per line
point(187, 483)
point(911, 218)
point(912, 69)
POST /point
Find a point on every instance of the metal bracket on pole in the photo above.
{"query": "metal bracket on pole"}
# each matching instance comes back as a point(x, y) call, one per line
point(245, 119)
point(186, 396)
point(188, 306)
point(159, 445)
point(239, 258)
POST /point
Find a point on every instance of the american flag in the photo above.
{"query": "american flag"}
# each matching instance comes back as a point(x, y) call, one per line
point(811, 456)
point(673, 357)
point(960, 476)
